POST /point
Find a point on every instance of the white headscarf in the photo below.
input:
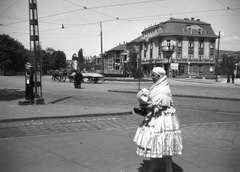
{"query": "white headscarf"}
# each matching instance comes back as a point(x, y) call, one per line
point(159, 71)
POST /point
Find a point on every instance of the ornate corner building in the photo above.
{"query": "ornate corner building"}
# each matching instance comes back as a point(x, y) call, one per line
point(181, 46)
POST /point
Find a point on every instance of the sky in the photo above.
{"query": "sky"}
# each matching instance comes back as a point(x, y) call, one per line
point(121, 21)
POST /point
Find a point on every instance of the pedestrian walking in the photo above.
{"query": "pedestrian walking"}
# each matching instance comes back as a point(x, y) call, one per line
point(78, 79)
point(159, 135)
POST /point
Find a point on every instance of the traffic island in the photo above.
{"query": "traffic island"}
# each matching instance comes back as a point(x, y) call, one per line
point(25, 102)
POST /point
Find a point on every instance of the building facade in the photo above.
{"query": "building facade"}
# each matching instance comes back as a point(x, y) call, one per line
point(115, 59)
point(181, 46)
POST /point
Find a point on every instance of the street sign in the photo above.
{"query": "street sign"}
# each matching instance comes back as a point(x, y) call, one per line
point(174, 66)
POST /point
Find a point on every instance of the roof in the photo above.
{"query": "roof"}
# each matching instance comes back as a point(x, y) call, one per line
point(136, 40)
point(120, 47)
point(177, 27)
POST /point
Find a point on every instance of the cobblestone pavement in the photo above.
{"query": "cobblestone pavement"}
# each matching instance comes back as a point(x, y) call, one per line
point(214, 135)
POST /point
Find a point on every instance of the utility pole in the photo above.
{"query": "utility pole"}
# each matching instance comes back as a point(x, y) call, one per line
point(101, 47)
point(216, 63)
point(35, 51)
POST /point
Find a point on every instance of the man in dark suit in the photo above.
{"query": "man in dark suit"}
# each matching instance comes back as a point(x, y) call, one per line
point(78, 79)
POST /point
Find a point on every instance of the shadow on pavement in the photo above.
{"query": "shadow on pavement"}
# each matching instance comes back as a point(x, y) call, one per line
point(58, 100)
point(146, 163)
point(11, 94)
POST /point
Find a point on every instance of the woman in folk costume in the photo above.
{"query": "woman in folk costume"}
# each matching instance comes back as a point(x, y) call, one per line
point(159, 135)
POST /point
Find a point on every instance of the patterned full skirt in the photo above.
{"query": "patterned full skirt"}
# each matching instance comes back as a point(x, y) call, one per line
point(161, 136)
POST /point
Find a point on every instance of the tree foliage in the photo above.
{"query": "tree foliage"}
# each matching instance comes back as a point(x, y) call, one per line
point(13, 55)
point(80, 58)
point(53, 60)
point(134, 66)
point(228, 64)
point(74, 56)
point(46, 57)
point(58, 60)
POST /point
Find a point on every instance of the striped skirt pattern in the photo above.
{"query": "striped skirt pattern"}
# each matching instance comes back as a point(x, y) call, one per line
point(160, 137)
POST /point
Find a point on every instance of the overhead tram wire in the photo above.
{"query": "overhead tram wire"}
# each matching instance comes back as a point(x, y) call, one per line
point(167, 14)
point(133, 18)
point(9, 7)
point(129, 19)
point(84, 7)
point(105, 6)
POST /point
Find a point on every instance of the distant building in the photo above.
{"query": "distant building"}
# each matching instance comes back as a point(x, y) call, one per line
point(114, 59)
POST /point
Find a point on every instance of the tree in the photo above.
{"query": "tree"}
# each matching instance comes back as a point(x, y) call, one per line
point(74, 56)
point(228, 64)
point(49, 50)
point(81, 59)
point(58, 60)
point(13, 55)
point(46, 57)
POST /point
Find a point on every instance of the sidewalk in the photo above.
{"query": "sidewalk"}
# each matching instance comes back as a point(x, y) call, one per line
point(210, 147)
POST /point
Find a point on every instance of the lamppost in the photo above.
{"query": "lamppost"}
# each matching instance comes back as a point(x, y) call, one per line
point(167, 52)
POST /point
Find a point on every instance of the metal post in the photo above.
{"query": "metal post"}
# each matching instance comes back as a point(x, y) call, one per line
point(188, 68)
point(101, 47)
point(216, 63)
point(139, 72)
point(35, 49)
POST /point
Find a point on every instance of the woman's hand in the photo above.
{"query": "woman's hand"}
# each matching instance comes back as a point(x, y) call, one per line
point(156, 110)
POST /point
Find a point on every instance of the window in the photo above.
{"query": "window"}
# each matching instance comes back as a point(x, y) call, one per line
point(211, 45)
point(190, 56)
point(124, 58)
point(200, 44)
point(211, 69)
point(200, 57)
point(211, 57)
point(110, 64)
point(179, 44)
point(190, 30)
point(190, 44)
point(179, 55)
point(168, 43)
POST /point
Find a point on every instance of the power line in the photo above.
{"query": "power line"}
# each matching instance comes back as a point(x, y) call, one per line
point(84, 7)
point(9, 7)
point(105, 6)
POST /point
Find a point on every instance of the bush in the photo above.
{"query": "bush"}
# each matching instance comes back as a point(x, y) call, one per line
point(138, 73)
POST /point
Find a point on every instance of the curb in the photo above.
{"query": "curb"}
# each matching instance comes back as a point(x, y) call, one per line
point(65, 117)
point(181, 95)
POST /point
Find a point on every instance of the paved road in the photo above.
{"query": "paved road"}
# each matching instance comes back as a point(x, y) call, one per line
point(104, 143)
